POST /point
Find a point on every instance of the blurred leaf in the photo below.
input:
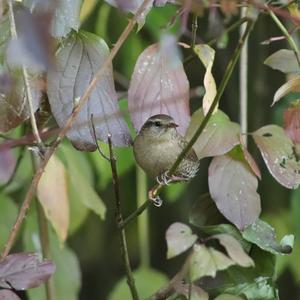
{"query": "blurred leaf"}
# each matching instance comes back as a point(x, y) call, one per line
point(207, 261)
point(229, 7)
point(7, 164)
point(283, 60)
point(33, 46)
point(234, 250)
point(13, 101)
point(179, 238)
point(295, 211)
point(278, 152)
point(292, 86)
point(219, 136)
point(53, 195)
point(233, 188)
point(102, 23)
point(207, 57)
point(23, 271)
point(9, 212)
point(86, 9)
point(66, 17)
point(174, 191)
point(291, 119)
point(195, 292)
point(147, 282)
point(260, 289)
point(8, 295)
point(263, 235)
point(159, 86)
point(81, 185)
point(4, 35)
point(79, 57)
point(228, 297)
point(67, 278)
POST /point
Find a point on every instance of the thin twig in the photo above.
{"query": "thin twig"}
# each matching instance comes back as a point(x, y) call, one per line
point(135, 214)
point(29, 96)
point(194, 30)
point(119, 220)
point(64, 130)
point(156, 189)
point(244, 81)
point(287, 35)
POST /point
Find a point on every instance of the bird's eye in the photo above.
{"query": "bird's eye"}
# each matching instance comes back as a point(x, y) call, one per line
point(157, 123)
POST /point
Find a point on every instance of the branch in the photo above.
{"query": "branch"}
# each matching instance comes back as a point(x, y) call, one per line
point(156, 189)
point(29, 97)
point(119, 219)
point(64, 130)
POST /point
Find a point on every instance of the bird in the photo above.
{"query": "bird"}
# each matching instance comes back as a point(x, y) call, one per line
point(158, 145)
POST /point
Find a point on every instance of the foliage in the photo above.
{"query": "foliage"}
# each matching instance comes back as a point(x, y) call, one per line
point(72, 74)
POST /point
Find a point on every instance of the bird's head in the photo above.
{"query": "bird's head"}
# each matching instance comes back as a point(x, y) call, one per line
point(159, 125)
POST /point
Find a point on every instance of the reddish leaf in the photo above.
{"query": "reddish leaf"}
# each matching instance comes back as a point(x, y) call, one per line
point(250, 160)
point(7, 164)
point(278, 152)
point(24, 270)
point(78, 59)
point(8, 295)
point(219, 136)
point(292, 122)
point(233, 188)
point(197, 293)
point(159, 86)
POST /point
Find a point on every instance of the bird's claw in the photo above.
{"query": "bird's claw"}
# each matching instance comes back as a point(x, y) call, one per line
point(157, 201)
point(164, 178)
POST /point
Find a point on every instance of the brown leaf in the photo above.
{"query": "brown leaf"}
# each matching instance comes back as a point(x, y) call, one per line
point(53, 195)
point(159, 86)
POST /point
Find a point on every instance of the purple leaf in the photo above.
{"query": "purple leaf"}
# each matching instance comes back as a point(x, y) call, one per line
point(78, 59)
point(23, 271)
point(7, 164)
point(219, 136)
point(179, 238)
point(33, 46)
point(233, 187)
point(278, 152)
point(8, 295)
point(159, 86)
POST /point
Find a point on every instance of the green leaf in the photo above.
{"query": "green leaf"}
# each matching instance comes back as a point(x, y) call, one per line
point(175, 191)
point(8, 216)
point(260, 289)
point(228, 297)
point(219, 136)
point(207, 261)
point(283, 60)
point(67, 278)
point(86, 193)
point(4, 35)
point(263, 235)
point(147, 282)
point(179, 239)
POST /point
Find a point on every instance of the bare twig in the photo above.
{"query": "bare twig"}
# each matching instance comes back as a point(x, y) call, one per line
point(29, 96)
point(244, 81)
point(119, 220)
point(62, 133)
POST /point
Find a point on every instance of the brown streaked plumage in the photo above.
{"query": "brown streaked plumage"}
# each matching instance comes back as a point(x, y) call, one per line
point(157, 147)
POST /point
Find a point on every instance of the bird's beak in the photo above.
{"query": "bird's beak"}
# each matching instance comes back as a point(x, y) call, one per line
point(173, 125)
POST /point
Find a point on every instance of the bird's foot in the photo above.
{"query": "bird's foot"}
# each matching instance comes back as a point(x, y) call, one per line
point(157, 201)
point(164, 178)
